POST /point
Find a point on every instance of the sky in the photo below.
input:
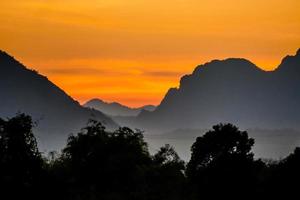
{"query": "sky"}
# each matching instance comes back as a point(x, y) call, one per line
point(133, 51)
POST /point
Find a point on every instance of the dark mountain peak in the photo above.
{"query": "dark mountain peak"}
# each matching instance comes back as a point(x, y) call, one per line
point(230, 69)
point(5, 56)
point(56, 113)
point(115, 108)
point(149, 107)
point(95, 100)
point(100, 101)
point(117, 104)
point(290, 64)
point(3, 53)
point(211, 73)
point(8, 64)
point(231, 65)
point(233, 90)
point(5, 59)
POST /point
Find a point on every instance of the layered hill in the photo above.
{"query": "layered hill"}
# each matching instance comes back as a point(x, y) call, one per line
point(232, 90)
point(116, 109)
point(56, 113)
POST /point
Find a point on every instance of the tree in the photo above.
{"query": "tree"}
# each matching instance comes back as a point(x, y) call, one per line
point(167, 180)
point(222, 163)
point(282, 178)
point(106, 165)
point(21, 163)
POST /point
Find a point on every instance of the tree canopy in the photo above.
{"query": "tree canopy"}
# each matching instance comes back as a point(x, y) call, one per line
point(222, 161)
point(116, 165)
point(20, 161)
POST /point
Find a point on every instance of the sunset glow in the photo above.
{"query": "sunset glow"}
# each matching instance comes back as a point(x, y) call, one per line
point(133, 51)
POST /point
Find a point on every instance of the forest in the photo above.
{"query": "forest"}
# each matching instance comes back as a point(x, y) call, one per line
point(116, 165)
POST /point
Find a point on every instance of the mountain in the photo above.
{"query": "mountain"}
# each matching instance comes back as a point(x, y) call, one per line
point(232, 90)
point(116, 109)
point(57, 114)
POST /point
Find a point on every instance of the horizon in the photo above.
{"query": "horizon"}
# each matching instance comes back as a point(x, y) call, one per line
point(122, 52)
point(140, 104)
point(84, 101)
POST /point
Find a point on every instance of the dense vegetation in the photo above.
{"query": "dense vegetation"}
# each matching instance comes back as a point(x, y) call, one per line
point(99, 164)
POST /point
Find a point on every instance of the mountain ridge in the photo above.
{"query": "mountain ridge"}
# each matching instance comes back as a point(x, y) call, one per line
point(232, 90)
point(57, 113)
point(115, 108)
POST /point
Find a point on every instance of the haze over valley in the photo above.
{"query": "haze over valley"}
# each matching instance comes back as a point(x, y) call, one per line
point(266, 103)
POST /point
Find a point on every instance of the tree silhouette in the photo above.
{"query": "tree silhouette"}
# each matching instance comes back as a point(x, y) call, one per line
point(222, 163)
point(100, 164)
point(281, 179)
point(167, 179)
point(20, 161)
point(106, 165)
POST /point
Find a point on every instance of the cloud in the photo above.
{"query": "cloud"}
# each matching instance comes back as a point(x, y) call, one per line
point(84, 71)
point(75, 71)
point(163, 73)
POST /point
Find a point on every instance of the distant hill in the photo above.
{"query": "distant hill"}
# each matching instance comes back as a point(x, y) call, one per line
point(116, 109)
point(57, 114)
point(232, 90)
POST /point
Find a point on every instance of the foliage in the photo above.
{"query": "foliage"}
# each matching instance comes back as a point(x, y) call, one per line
point(100, 164)
point(20, 161)
point(222, 161)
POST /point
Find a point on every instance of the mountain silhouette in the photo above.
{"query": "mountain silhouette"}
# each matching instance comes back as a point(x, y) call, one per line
point(232, 90)
point(116, 109)
point(57, 114)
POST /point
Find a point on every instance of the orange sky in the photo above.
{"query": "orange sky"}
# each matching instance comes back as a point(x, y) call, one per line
point(133, 51)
